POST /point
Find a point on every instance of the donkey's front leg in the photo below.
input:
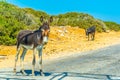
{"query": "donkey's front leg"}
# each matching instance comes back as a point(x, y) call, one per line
point(40, 60)
point(88, 36)
point(33, 63)
point(93, 35)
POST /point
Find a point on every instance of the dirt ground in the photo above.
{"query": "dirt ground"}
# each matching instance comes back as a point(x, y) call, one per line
point(63, 41)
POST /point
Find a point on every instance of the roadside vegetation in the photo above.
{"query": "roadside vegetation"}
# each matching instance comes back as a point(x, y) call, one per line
point(13, 19)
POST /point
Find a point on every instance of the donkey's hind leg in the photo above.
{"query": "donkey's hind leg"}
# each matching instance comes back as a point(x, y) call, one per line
point(92, 37)
point(16, 58)
point(22, 61)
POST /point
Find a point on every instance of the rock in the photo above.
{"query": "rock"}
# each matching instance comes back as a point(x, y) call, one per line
point(2, 56)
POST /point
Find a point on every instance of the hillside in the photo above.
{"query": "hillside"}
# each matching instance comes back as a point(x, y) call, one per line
point(70, 39)
point(13, 19)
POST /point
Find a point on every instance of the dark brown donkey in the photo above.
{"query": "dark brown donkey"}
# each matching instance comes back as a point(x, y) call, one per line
point(90, 31)
point(34, 40)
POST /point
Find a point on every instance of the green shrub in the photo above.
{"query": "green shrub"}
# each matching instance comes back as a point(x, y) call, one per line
point(113, 26)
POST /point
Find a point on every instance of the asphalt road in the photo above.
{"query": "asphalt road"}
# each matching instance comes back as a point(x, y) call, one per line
point(102, 64)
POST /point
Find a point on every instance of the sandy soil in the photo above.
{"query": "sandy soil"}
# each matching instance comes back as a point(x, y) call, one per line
point(63, 41)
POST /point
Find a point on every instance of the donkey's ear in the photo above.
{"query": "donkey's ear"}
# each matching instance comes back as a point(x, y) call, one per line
point(41, 18)
point(51, 19)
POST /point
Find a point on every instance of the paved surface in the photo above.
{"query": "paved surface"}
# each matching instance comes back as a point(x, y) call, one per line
point(102, 64)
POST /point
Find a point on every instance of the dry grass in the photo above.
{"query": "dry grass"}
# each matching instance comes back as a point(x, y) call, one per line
point(63, 41)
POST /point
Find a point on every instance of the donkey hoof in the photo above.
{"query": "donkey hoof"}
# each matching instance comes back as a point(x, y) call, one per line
point(14, 70)
point(32, 74)
point(23, 72)
point(42, 74)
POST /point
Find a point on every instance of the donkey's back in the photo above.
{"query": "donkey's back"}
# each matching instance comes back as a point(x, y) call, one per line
point(91, 29)
point(21, 35)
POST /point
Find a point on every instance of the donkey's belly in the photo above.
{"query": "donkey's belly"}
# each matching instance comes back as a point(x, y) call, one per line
point(28, 46)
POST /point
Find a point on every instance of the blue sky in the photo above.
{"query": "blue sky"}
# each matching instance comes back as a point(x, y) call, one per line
point(107, 10)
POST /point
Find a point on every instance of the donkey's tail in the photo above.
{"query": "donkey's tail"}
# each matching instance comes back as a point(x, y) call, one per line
point(18, 44)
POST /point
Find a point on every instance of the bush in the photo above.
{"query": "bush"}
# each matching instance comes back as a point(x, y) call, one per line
point(113, 26)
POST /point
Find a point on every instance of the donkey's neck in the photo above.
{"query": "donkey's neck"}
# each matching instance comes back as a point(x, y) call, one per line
point(39, 37)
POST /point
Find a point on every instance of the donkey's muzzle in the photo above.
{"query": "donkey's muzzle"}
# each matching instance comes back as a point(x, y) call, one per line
point(45, 40)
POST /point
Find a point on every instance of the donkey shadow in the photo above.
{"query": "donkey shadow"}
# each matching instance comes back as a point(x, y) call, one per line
point(37, 73)
point(62, 75)
point(8, 75)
